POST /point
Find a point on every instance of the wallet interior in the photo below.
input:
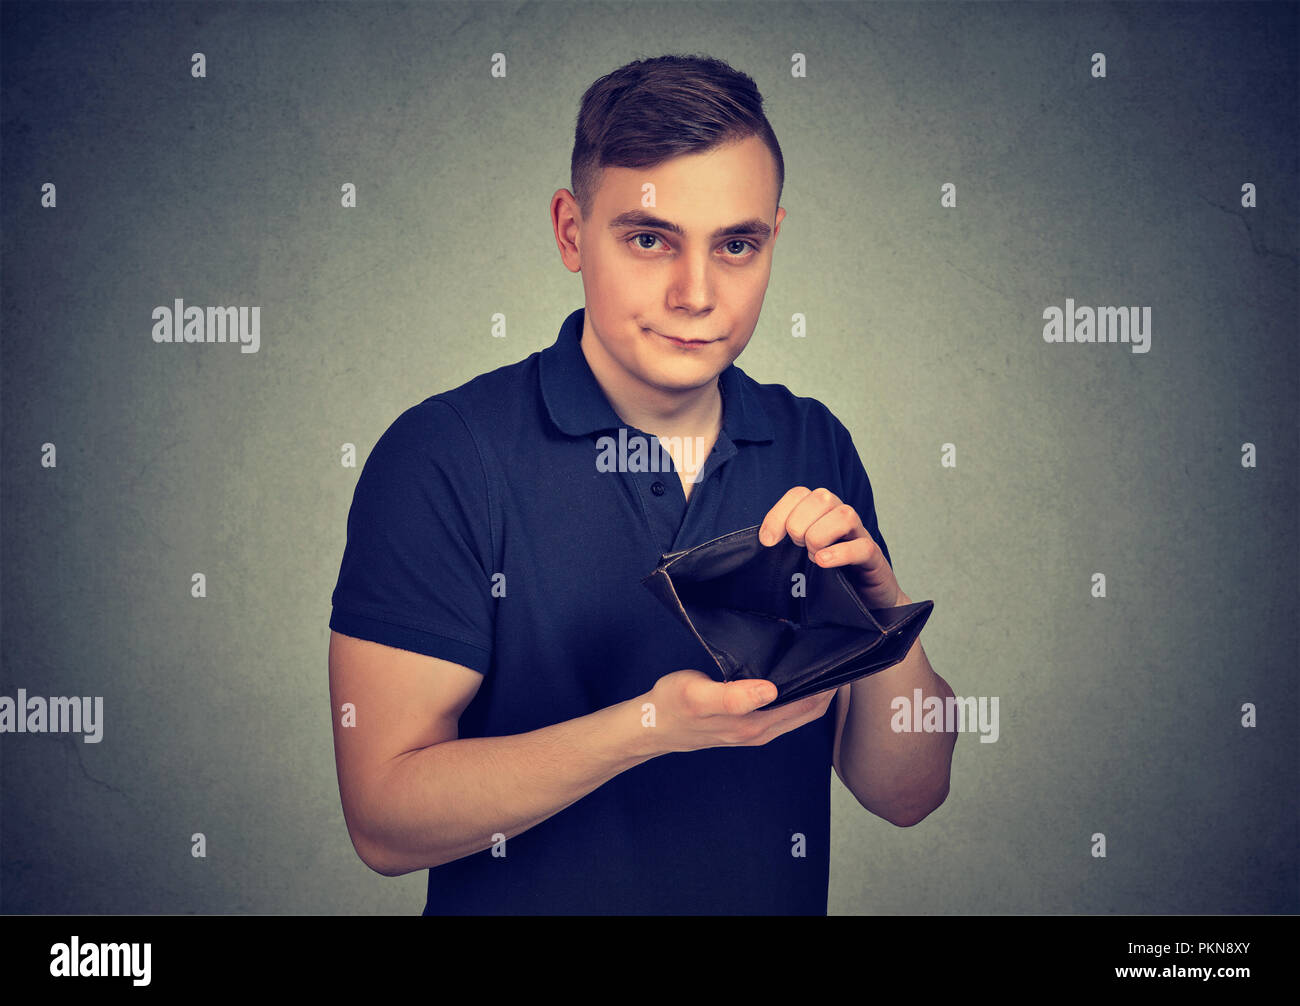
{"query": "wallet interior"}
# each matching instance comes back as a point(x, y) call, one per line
point(740, 595)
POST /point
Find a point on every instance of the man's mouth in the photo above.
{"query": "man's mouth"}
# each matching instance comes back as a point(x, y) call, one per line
point(682, 343)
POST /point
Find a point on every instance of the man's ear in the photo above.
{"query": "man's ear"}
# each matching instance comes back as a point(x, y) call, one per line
point(566, 221)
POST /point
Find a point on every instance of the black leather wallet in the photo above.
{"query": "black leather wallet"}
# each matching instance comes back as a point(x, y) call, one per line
point(745, 603)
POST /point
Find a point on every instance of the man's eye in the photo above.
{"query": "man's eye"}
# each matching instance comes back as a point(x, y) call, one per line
point(749, 245)
point(744, 244)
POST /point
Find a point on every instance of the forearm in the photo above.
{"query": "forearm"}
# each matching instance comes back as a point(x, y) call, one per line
point(900, 775)
point(446, 801)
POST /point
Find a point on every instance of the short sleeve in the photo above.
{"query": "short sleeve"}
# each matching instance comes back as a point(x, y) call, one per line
point(857, 487)
point(416, 570)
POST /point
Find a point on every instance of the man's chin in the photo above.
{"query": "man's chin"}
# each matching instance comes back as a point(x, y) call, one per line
point(680, 379)
point(677, 369)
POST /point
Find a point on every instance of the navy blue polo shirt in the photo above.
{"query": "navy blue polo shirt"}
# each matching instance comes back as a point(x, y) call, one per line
point(497, 482)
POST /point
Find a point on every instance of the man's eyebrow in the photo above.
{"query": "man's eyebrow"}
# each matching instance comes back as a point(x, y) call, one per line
point(640, 218)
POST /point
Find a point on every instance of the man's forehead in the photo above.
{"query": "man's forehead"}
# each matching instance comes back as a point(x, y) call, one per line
point(692, 192)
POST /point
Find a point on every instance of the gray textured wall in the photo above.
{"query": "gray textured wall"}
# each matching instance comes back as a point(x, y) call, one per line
point(1119, 715)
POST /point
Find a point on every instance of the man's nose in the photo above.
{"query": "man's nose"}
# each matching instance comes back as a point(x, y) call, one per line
point(692, 282)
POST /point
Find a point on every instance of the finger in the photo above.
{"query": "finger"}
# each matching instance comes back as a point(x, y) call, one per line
point(736, 698)
point(795, 715)
point(762, 692)
point(698, 691)
point(772, 529)
point(857, 552)
point(821, 702)
point(839, 523)
point(792, 712)
point(808, 511)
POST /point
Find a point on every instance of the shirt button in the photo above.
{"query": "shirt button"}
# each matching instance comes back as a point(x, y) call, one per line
point(658, 489)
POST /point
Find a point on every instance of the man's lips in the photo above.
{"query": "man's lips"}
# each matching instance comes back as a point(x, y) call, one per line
point(681, 342)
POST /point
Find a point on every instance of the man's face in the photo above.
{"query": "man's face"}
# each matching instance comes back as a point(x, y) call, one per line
point(692, 267)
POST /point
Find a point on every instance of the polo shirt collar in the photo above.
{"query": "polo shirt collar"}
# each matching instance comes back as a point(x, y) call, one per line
point(578, 406)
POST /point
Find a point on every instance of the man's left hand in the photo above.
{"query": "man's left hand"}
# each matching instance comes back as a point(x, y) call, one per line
point(833, 534)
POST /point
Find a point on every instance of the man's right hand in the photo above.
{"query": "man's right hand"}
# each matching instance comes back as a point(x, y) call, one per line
point(693, 711)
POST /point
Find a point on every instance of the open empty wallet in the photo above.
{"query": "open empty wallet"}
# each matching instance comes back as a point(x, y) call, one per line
point(758, 619)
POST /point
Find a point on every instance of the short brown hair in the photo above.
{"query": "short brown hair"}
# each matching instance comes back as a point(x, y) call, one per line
point(650, 110)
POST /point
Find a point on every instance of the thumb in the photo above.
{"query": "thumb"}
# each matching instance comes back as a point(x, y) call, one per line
point(746, 696)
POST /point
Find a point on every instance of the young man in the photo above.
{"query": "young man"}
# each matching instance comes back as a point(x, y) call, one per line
point(490, 627)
